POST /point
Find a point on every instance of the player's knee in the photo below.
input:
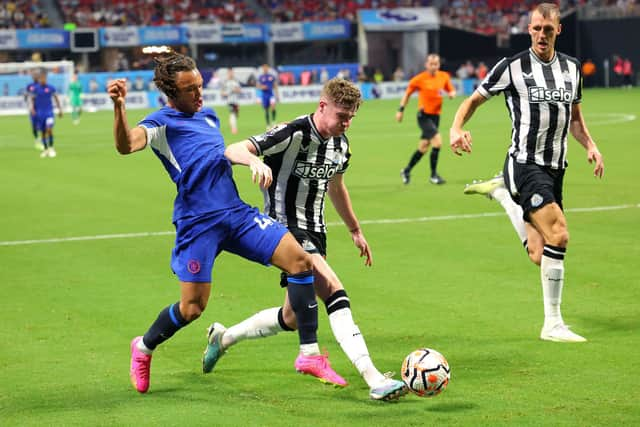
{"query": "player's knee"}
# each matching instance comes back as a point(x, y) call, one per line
point(302, 262)
point(535, 255)
point(192, 311)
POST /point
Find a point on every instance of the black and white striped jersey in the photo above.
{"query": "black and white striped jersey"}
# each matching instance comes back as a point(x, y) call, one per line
point(539, 96)
point(302, 162)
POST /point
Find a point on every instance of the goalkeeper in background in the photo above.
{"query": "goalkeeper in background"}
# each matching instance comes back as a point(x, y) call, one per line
point(75, 95)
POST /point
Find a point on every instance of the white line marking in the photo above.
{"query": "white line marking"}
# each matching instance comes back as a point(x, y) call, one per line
point(331, 224)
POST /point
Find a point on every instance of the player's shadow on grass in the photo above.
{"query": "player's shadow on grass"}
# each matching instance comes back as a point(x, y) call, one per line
point(608, 323)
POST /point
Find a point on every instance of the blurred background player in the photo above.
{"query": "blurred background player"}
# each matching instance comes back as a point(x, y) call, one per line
point(269, 86)
point(530, 189)
point(429, 84)
point(42, 107)
point(208, 214)
point(321, 149)
point(230, 90)
point(28, 99)
point(75, 93)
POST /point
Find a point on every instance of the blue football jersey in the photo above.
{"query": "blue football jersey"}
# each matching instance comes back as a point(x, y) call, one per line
point(42, 102)
point(191, 149)
point(267, 80)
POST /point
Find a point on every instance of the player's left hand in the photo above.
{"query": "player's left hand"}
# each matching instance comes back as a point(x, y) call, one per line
point(593, 155)
point(260, 173)
point(361, 243)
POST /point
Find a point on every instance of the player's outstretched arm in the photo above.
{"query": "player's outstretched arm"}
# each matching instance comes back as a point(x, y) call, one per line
point(580, 132)
point(341, 200)
point(459, 139)
point(58, 104)
point(127, 140)
point(244, 153)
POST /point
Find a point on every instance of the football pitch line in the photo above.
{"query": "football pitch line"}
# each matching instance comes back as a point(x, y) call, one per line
point(330, 224)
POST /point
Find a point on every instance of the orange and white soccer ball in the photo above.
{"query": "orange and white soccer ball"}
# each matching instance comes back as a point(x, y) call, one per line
point(425, 372)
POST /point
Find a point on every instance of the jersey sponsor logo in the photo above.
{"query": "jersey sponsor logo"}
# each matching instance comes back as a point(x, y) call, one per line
point(539, 94)
point(311, 170)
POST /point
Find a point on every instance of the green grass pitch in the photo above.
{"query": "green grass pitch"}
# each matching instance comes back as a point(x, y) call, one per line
point(449, 273)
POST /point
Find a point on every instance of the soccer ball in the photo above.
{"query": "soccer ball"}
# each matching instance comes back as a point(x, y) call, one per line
point(425, 372)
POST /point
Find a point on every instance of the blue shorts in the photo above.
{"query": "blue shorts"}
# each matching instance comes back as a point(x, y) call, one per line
point(44, 121)
point(268, 101)
point(243, 231)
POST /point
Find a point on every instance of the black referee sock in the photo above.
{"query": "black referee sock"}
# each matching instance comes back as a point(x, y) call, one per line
point(435, 152)
point(302, 297)
point(415, 158)
point(169, 322)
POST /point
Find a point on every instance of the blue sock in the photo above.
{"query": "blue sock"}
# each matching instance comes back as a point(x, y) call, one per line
point(302, 297)
point(51, 140)
point(169, 322)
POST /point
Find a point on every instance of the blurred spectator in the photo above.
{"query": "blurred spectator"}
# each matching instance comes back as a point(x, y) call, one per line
point(138, 83)
point(481, 71)
point(378, 76)
point(588, 72)
point(306, 78)
point(627, 73)
point(93, 85)
point(398, 75)
point(618, 63)
point(324, 76)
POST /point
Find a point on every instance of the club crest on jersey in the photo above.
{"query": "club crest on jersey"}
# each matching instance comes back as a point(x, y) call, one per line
point(536, 200)
point(539, 94)
point(311, 170)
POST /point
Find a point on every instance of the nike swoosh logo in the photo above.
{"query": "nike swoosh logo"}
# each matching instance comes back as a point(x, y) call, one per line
point(313, 305)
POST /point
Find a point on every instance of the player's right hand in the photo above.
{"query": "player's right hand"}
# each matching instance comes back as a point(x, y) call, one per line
point(399, 115)
point(261, 173)
point(460, 141)
point(117, 90)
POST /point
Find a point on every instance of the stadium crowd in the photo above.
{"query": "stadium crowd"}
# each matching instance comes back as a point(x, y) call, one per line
point(484, 16)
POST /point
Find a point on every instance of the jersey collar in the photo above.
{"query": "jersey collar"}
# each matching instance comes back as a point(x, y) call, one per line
point(539, 60)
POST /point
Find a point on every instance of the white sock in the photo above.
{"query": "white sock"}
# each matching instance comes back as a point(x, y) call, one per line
point(552, 277)
point(262, 324)
point(143, 348)
point(513, 210)
point(233, 121)
point(310, 349)
point(352, 342)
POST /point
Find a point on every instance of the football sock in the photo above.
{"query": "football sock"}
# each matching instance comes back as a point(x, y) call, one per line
point(349, 337)
point(262, 324)
point(552, 277)
point(266, 116)
point(433, 159)
point(44, 142)
point(35, 132)
point(302, 297)
point(415, 158)
point(233, 121)
point(169, 322)
point(513, 210)
point(273, 115)
point(51, 141)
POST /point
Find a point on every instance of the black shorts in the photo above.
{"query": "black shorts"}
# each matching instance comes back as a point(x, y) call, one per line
point(312, 242)
point(532, 186)
point(234, 109)
point(428, 124)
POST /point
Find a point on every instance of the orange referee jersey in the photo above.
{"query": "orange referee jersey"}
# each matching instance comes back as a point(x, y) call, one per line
point(430, 89)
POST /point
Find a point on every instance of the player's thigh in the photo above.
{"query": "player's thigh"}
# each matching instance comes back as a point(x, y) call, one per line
point(197, 245)
point(325, 280)
point(259, 238)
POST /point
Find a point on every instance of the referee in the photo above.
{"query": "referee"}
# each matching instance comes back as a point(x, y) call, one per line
point(429, 84)
point(542, 90)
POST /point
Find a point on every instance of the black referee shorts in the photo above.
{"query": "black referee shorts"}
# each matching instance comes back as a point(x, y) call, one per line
point(312, 242)
point(532, 186)
point(428, 124)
